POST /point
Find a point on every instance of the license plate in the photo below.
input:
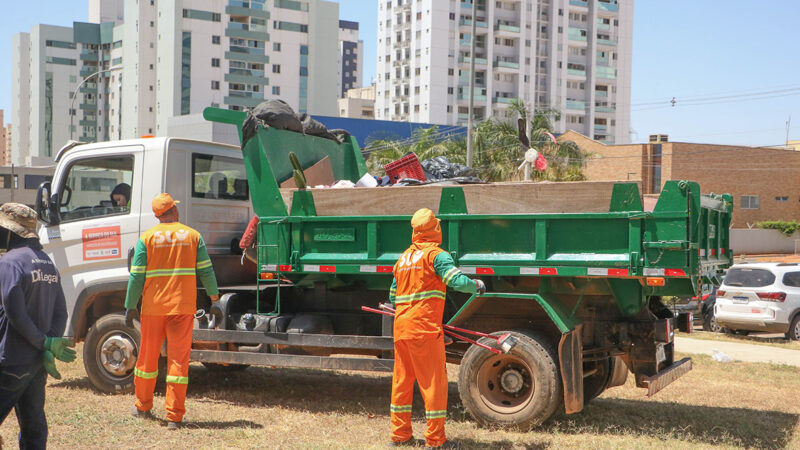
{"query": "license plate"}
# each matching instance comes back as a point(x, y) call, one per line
point(737, 299)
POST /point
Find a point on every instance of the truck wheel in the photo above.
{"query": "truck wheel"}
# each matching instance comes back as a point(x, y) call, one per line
point(109, 354)
point(596, 384)
point(794, 330)
point(518, 389)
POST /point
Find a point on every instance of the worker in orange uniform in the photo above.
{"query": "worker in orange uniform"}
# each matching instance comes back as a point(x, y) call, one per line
point(168, 260)
point(421, 276)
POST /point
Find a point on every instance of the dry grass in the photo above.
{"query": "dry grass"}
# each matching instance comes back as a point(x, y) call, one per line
point(769, 340)
point(715, 405)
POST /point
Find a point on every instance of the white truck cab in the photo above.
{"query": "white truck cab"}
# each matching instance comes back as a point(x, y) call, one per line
point(90, 235)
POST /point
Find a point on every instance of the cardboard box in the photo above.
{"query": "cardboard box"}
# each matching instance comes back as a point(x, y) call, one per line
point(319, 173)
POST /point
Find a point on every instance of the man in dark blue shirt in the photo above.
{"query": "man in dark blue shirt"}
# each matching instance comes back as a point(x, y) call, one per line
point(33, 315)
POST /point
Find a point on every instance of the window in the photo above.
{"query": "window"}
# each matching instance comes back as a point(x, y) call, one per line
point(276, 68)
point(749, 202)
point(276, 90)
point(747, 277)
point(276, 46)
point(782, 199)
point(218, 177)
point(214, 62)
point(215, 40)
point(33, 181)
point(792, 279)
point(87, 191)
point(215, 85)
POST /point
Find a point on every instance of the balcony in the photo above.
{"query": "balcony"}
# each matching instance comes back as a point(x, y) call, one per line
point(89, 56)
point(575, 34)
point(468, 23)
point(576, 105)
point(245, 31)
point(606, 41)
point(610, 7)
point(605, 109)
point(506, 63)
point(606, 72)
point(576, 73)
point(246, 79)
point(236, 8)
point(478, 61)
point(477, 97)
point(581, 3)
point(601, 127)
point(506, 30)
point(503, 100)
point(247, 54)
point(603, 94)
point(603, 26)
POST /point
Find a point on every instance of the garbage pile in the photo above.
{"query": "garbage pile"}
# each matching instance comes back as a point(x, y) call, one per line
point(278, 114)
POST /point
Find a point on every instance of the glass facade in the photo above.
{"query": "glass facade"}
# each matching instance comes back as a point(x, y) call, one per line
point(186, 75)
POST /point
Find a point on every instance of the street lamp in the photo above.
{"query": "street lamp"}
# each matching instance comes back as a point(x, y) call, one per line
point(75, 94)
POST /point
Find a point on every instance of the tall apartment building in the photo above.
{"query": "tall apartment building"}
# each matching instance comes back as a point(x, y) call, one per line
point(160, 59)
point(351, 51)
point(5, 148)
point(573, 56)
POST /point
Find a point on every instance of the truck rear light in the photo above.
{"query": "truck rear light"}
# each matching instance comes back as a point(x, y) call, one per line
point(484, 271)
point(284, 268)
point(664, 331)
point(548, 271)
point(327, 268)
point(267, 276)
point(675, 272)
point(772, 296)
point(720, 293)
point(655, 281)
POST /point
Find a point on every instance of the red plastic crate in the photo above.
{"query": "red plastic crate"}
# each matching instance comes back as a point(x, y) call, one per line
point(406, 167)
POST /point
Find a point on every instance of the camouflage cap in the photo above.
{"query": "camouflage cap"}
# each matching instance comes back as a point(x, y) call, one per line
point(19, 219)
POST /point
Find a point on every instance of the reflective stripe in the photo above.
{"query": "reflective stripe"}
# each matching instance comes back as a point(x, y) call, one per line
point(435, 414)
point(204, 264)
point(418, 296)
point(450, 274)
point(145, 375)
point(138, 269)
point(400, 408)
point(177, 380)
point(170, 272)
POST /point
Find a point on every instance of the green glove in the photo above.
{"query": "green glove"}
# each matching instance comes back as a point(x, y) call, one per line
point(60, 348)
point(50, 365)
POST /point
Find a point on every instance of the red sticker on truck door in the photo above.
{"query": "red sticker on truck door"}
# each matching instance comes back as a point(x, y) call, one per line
point(101, 243)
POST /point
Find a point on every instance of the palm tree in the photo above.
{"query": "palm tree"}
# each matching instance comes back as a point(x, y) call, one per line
point(426, 143)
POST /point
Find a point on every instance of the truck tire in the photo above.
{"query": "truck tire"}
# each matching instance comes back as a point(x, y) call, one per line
point(109, 354)
point(519, 389)
point(710, 323)
point(596, 384)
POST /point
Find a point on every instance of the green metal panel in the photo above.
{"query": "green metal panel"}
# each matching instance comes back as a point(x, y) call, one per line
point(561, 316)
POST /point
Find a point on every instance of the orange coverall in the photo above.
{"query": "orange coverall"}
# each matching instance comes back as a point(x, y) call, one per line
point(168, 258)
point(418, 292)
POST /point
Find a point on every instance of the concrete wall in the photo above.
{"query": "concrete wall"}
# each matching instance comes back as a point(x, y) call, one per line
point(757, 241)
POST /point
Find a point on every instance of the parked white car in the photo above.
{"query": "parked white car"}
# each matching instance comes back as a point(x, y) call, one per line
point(760, 297)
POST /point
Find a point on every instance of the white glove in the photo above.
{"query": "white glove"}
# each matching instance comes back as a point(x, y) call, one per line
point(481, 287)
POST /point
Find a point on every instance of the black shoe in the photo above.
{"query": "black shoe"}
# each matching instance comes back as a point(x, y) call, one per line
point(409, 443)
point(135, 412)
point(173, 425)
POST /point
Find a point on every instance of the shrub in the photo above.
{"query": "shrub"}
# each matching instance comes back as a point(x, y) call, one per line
point(787, 228)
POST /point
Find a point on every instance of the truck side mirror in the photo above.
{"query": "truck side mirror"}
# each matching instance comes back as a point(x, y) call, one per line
point(41, 203)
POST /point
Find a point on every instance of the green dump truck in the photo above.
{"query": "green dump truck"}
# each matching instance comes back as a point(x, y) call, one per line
point(574, 271)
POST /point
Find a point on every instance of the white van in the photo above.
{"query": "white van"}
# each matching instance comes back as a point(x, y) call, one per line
point(90, 236)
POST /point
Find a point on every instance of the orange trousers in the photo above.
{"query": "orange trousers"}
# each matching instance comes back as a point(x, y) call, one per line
point(422, 360)
point(178, 332)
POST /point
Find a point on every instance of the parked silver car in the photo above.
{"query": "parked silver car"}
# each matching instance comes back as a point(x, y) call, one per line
point(760, 297)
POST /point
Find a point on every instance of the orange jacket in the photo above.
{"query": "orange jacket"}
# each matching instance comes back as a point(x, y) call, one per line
point(169, 256)
point(420, 293)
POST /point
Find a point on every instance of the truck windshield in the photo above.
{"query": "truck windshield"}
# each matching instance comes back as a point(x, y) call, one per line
point(747, 277)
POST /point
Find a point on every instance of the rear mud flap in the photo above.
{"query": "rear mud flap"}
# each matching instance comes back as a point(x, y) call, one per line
point(570, 358)
point(662, 379)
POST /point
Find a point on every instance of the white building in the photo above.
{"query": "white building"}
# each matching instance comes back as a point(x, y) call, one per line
point(358, 103)
point(351, 51)
point(161, 59)
point(573, 56)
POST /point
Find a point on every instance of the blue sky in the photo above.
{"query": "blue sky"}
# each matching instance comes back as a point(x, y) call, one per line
point(687, 49)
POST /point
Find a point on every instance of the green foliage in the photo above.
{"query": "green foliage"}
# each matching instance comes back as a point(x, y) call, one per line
point(497, 153)
point(787, 228)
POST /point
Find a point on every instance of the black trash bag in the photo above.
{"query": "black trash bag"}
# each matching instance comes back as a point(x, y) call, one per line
point(274, 113)
point(314, 128)
point(341, 134)
point(440, 168)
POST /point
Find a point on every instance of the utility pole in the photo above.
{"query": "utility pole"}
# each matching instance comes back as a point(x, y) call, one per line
point(471, 83)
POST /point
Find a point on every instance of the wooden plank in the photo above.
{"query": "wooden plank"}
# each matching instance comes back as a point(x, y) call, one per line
point(494, 198)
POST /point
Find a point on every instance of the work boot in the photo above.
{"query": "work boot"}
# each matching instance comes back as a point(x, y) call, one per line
point(409, 443)
point(135, 412)
point(173, 425)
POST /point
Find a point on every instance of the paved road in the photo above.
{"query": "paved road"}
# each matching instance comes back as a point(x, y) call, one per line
point(740, 352)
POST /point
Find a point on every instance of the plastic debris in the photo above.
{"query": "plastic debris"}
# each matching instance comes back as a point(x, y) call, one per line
point(719, 356)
